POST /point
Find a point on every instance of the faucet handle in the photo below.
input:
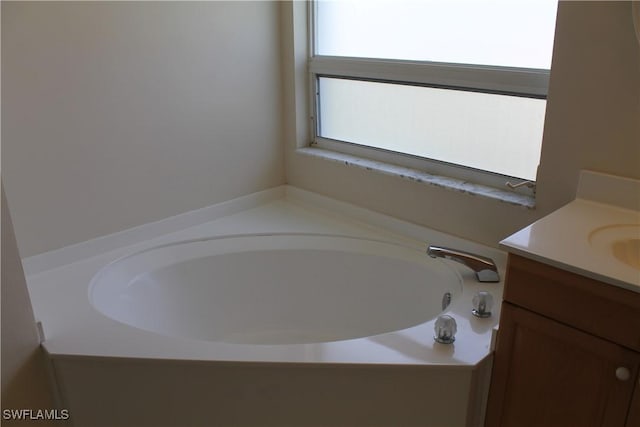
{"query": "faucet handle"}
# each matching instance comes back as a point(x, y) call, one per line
point(482, 304)
point(445, 329)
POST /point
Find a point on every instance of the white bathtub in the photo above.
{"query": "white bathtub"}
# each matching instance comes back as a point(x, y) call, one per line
point(277, 315)
point(275, 289)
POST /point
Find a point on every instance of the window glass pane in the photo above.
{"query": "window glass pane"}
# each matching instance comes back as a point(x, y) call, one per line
point(515, 33)
point(497, 133)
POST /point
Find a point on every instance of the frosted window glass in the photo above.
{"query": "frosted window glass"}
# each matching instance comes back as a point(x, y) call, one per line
point(514, 33)
point(497, 133)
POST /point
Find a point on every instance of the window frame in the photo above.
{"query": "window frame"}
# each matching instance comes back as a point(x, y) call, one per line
point(500, 80)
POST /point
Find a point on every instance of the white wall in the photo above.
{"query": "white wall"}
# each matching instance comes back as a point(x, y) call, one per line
point(24, 377)
point(592, 122)
point(120, 113)
point(115, 114)
point(593, 112)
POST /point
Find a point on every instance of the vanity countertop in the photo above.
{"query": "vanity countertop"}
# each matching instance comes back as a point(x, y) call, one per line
point(597, 235)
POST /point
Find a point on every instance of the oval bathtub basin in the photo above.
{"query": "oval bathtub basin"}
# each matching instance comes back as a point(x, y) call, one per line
point(274, 289)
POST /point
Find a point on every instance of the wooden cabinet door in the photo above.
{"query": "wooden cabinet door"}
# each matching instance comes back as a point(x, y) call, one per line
point(634, 410)
point(549, 374)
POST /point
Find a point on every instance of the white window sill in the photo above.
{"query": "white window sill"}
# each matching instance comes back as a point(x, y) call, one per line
point(422, 177)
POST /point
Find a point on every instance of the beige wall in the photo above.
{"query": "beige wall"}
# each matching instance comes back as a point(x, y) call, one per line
point(115, 114)
point(592, 122)
point(24, 377)
point(593, 112)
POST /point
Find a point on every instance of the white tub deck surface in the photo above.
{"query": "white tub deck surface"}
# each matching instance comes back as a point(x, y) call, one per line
point(59, 288)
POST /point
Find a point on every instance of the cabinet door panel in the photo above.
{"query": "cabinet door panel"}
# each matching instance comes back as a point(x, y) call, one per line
point(548, 374)
point(594, 307)
point(634, 410)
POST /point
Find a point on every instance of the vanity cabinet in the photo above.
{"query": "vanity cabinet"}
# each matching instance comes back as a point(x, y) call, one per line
point(567, 353)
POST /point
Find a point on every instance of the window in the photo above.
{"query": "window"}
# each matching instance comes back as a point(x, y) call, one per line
point(457, 85)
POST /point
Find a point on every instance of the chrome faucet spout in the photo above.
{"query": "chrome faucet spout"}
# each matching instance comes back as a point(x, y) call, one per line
point(485, 268)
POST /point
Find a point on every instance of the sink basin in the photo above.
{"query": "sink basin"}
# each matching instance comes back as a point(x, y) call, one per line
point(620, 241)
point(628, 251)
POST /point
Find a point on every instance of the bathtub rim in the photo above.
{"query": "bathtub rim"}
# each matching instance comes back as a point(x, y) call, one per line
point(65, 337)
